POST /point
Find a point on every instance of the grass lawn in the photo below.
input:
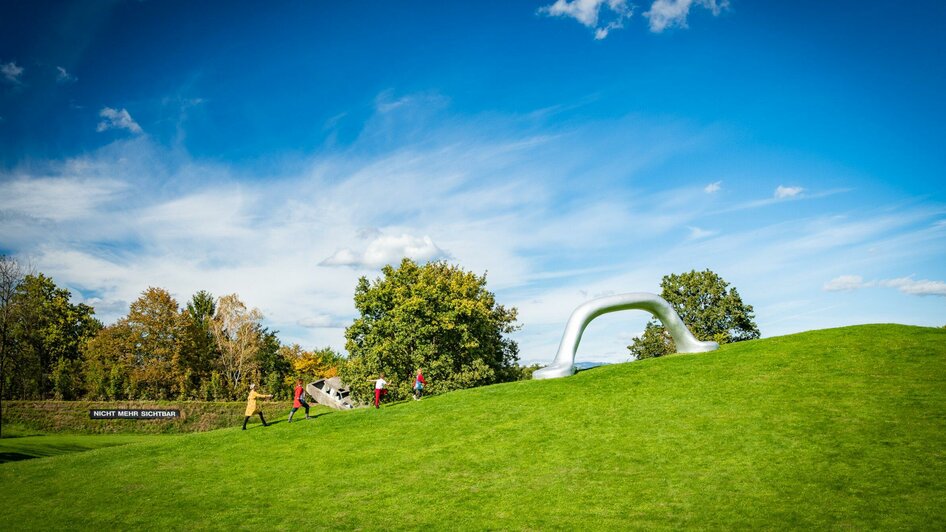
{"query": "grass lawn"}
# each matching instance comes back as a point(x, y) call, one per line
point(22, 444)
point(840, 428)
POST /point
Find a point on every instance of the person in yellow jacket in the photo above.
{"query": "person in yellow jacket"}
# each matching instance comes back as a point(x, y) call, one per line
point(252, 407)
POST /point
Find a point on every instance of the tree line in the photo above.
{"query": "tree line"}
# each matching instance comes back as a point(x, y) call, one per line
point(209, 349)
point(434, 316)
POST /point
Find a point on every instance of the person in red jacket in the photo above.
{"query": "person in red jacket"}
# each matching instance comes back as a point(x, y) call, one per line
point(298, 400)
point(419, 383)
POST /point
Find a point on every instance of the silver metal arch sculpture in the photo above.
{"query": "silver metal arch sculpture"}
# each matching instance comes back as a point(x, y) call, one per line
point(564, 363)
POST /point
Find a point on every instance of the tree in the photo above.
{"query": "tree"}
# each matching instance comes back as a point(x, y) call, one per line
point(709, 307)
point(66, 379)
point(46, 328)
point(199, 351)
point(237, 332)
point(437, 317)
point(311, 365)
point(524, 373)
point(138, 357)
point(273, 366)
point(157, 329)
point(11, 275)
point(108, 360)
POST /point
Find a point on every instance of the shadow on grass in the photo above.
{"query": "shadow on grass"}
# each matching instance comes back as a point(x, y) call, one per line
point(15, 457)
point(46, 450)
point(587, 370)
point(251, 426)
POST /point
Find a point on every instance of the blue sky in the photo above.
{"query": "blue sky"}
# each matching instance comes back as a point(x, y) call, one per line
point(569, 149)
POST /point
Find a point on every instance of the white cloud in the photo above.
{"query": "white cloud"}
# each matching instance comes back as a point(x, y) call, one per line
point(57, 198)
point(384, 105)
point(216, 215)
point(343, 257)
point(844, 283)
point(713, 187)
point(590, 13)
point(787, 192)
point(62, 76)
point(906, 285)
point(665, 14)
point(11, 72)
point(696, 233)
point(117, 119)
point(775, 198)
point(388, 249)
point(322, 321)
point(923, 287)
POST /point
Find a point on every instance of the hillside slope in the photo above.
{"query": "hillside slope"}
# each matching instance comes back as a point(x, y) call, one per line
point(835, 428)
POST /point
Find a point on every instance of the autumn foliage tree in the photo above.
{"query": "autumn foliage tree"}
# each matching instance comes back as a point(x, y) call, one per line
point(435, 316)
point(108, 361)
point(138, 356)
point(157, 330)
point(709, 307)
point(311, 365)
point(236, 329)
point(210, 349)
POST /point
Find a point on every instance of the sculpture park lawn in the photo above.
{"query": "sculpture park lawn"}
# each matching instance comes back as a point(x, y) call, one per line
point(839, 428)
point(19, 443)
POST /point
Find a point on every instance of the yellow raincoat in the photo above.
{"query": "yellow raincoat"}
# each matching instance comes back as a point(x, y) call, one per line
point(251, 407)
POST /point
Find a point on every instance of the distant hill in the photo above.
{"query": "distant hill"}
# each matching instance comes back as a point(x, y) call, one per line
point(839, 428)
point(588, 365)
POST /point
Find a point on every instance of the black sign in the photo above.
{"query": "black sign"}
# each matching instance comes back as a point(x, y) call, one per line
point(134, 414)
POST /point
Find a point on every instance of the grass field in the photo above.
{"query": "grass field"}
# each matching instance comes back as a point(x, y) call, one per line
point(841, 428)
point(19, 443)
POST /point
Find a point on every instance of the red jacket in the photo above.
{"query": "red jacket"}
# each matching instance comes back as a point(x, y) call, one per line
point(420, 379)
point(296, 395)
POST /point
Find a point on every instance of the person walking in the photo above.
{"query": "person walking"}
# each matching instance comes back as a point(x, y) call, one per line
point(419, 383)
point(379, 389)
point(253, 408)
point(298, 400)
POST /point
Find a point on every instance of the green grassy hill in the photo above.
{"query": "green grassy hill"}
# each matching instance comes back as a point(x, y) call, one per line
point(840, 428)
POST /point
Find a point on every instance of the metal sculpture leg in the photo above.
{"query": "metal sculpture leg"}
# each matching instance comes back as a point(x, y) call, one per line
point(564, 363)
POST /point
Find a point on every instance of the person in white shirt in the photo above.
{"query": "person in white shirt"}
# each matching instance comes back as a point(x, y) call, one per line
point(379, 389)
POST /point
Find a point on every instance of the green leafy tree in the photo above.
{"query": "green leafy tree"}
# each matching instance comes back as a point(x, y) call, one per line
point(272, 365)
point(709, 307)
point(437, 317)
point(213, 388)
point(46, 328)
point(66, 379)
point(525, 372)
point(199, 352)
point(11, 275)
